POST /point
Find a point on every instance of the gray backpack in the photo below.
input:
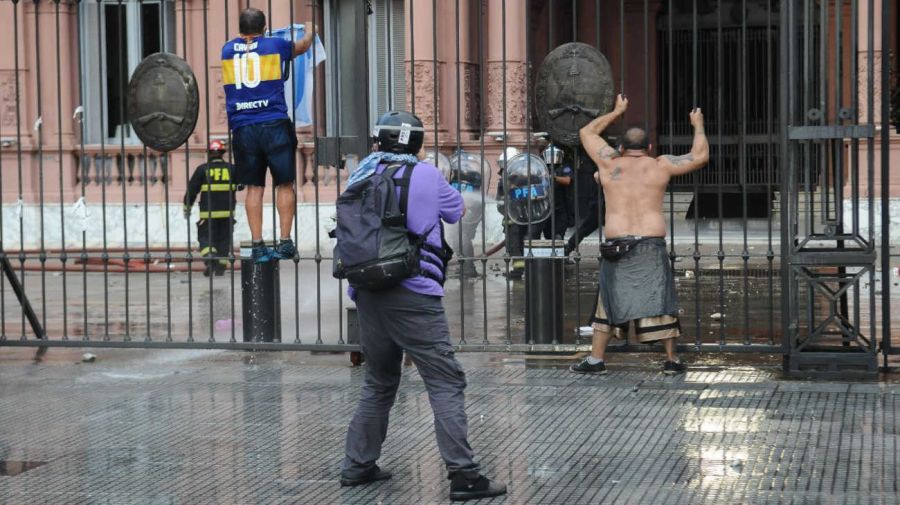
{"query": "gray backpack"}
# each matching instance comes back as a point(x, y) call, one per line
point(374, 249)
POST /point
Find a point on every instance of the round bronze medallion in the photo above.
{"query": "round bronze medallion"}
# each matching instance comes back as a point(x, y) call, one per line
point(163, 101)
point(574, 85)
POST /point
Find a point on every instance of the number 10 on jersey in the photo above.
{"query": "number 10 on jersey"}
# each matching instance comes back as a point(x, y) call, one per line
point(245, 65)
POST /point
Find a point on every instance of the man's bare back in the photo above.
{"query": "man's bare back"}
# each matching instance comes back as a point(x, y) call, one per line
point(634, 183)
point(633, 190)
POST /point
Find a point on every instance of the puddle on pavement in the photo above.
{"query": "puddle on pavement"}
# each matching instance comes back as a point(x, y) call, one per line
point(11, 468)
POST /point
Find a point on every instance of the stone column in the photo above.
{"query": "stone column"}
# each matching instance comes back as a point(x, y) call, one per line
point(865, 63)
point(424, 73)
point(507, 75)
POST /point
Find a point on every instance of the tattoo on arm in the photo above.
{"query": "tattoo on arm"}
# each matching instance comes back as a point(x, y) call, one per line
point(608, 153)
point(617, 173)
point(679, 160)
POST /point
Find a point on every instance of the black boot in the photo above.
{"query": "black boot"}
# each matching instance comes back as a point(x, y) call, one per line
point(463, 488)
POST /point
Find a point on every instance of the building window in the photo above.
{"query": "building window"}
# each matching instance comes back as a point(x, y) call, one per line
point(143, 28)
point(387, 52)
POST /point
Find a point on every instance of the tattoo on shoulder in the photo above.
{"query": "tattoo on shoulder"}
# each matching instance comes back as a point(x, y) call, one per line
point(617, 173)
point(608, 153)
point(679, 160)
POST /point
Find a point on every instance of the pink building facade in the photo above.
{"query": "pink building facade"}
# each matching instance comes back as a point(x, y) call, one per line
point(466, 71)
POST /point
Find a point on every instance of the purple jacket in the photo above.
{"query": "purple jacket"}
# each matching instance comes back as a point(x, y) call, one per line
point(431, 199)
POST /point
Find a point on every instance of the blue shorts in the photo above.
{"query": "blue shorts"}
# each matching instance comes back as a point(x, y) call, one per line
point(271, 144)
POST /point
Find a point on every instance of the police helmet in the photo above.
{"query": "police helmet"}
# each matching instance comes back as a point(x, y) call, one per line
point(528, 197)
point(399, 132)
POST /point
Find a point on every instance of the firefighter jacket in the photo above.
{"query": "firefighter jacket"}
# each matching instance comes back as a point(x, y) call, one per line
point(213, 182)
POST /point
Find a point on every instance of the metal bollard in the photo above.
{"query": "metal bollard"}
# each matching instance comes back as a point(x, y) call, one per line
point(261, 296)
point(544, 291)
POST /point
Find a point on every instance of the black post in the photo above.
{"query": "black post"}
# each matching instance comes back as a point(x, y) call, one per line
point(544, 271)
point(261, 296)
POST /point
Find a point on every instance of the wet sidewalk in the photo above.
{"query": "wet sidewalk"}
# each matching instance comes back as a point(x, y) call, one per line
point(196, 427)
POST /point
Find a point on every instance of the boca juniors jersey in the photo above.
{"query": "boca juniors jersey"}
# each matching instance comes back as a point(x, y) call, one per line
point(253, 74)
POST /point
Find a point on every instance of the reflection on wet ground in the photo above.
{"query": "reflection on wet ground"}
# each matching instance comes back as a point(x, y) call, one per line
point(731, 305)
point(237, 428)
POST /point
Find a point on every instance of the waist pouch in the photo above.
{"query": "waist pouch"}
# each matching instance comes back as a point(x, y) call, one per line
point(614, 249)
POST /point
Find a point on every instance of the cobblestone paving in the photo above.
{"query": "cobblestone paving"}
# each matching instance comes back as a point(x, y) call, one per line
point(185, 427)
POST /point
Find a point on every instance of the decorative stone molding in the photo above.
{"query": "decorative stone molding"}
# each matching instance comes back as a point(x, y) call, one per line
point(516, 94)
point(863, 83)
point(8, 98)
point(471, 95)
point(425, 84)
point(220, 115)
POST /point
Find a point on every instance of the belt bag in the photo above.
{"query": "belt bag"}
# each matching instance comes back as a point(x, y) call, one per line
point(612, 250)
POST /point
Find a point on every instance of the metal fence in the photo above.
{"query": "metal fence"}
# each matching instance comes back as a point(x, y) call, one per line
point(93, 237)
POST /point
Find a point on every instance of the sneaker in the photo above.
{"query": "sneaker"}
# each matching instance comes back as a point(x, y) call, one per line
point(586, 367)
point(462, 488)
point(262, 254)
point(373, 475)
point(674, 367)
point(285, 250)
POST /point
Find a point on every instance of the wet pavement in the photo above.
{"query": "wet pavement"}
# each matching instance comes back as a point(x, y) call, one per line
point(721, 304)
point(226, 427)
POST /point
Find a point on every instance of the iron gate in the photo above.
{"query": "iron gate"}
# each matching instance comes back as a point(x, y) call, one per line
point(92, 233)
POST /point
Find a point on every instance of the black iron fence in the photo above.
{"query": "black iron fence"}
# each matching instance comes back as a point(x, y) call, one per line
point(94, 240)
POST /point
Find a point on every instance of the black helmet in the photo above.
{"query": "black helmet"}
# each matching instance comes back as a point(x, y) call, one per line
point(399, 132)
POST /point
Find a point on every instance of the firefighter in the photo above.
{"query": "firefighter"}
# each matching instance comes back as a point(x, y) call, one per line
point(212, 181)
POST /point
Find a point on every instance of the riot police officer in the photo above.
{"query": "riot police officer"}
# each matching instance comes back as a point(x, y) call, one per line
point(515, 233)
point(561, 170)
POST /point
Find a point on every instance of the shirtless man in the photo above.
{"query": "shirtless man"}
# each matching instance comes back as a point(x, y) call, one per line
point(636, 279)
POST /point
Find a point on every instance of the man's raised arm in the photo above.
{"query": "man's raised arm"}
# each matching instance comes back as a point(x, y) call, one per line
point(303, 45)
point(593, 143)
point(699, 155)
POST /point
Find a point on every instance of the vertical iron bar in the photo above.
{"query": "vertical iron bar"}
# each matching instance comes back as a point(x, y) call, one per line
point(669, 130)
point(745, 254)
point(19, 153)
point(770, 153)
point(293, 114)
point(528, 134)
point(462, 293)
point(62, 215)
point(720, 106)
point(787, 181)
point(123, 71)
point(187, 174)
point(164, 163)
point(146, 183)
point(40, 145)
point(885, 193)
point(695, 70)
point(870, 189)
point(505, 176)
point(412, 62)
point(231, 257)
point(104, 180)
point(218, 254)
point(84, 176)
point(389, 18)
point(621, 46)
point(483, 72)
point(318, 257)
point(647, 66)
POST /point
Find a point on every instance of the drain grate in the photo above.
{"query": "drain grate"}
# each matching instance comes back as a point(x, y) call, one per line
point(11, 468)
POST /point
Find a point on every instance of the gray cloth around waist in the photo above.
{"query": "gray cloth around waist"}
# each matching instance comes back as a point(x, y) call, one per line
point(639, 284)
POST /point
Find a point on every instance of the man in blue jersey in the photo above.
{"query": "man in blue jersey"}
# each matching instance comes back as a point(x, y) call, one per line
point(254, 68)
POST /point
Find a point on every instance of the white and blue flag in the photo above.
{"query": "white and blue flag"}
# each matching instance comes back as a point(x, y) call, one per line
point(301, 80)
